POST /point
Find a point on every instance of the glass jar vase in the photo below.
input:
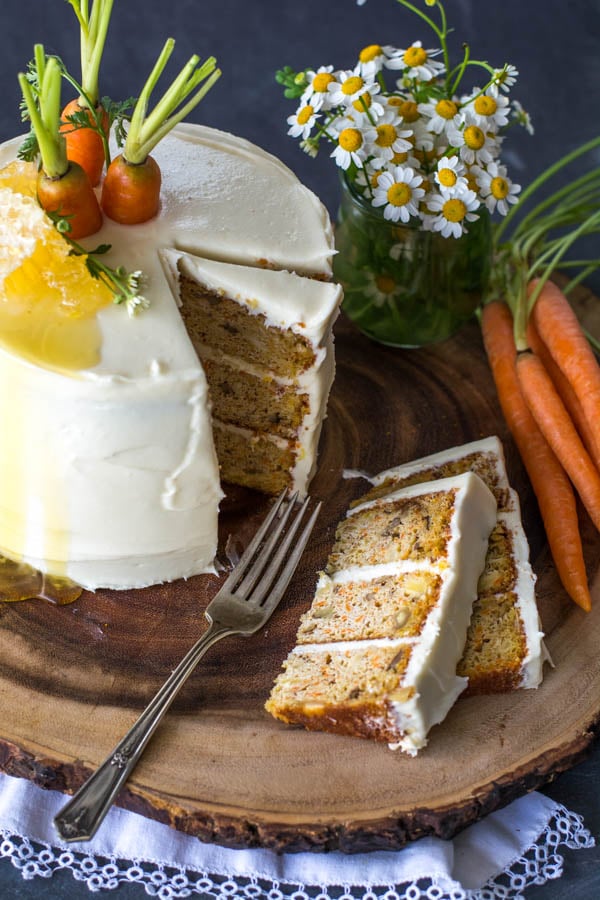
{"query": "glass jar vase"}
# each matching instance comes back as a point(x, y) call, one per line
point(404, 286)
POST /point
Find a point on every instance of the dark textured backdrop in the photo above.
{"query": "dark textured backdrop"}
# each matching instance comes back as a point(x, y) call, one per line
point(555, 44)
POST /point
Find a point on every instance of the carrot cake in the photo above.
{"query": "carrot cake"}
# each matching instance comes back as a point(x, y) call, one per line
point(377, 651)
point(504, 649)
point(110, 470)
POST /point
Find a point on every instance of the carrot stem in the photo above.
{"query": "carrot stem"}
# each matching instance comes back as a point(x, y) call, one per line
point(45, 113)
point(93, 30)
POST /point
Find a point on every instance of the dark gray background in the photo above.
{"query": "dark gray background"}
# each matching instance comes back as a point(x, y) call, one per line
point(555, 44)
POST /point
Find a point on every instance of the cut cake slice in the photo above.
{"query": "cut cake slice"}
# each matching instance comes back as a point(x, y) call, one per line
point(504, 649)
point(376, 653)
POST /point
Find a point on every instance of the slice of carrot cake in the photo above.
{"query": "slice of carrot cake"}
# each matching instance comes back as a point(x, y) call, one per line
point(504, 649)
point(377, 651)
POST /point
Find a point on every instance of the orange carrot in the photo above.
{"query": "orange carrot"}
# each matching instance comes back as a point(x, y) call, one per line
point(560, 330)
point(72, 197)
point(554, 422)
point(63, 188)
point(564, 389)
point(131, 193)
point(552, 488)
point(85, 146)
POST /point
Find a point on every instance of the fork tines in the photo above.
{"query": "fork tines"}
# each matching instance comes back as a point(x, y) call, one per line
point(254, 575)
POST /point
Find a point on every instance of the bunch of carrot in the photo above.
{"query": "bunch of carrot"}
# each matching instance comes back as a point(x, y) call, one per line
point(546, 374)
point(74, 146)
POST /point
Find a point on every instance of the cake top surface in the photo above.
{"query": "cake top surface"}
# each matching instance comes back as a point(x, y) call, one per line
point(221, 196)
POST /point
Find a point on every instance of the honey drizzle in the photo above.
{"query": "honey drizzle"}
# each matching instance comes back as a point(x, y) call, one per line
point(20, 581)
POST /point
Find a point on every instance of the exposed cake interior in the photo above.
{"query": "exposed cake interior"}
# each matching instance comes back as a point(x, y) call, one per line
point(376, 653)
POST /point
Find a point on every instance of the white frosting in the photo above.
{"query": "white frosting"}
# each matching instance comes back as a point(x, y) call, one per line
point(536, 653)
point(431, 671)
point(109, 475)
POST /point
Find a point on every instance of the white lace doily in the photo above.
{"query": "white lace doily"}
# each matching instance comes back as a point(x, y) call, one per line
point(495, 859)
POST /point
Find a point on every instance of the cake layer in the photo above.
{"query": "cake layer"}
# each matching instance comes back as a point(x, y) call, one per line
point(504, 648)
point(378, 659)
point(257, 461)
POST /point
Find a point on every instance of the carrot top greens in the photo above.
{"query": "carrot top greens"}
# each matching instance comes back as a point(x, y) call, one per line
point(42, 103)
point(93, 27)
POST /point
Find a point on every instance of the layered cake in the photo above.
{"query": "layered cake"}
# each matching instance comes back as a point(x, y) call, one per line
point(109, 473)
point(377, 651)
point(504, 649)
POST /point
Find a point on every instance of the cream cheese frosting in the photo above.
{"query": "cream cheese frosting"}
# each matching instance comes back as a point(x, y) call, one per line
point(109, 475)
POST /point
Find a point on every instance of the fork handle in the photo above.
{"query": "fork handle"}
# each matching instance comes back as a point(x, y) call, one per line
point(81, 817)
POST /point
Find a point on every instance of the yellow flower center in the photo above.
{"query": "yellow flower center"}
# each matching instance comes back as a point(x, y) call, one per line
point(474, 137)
point(385, 284)
point(352, 85)
point(399, 158)
point(363, 102)
point(447, 109)
point(454, 210)
point(447, 177)
point(386, 135)
point(399, 194)
point(407, 108)
point(322, 81)
point(499, 187)
point(472, 182)
point(367, 54)
point(485, 106)
point(350, 139)
point(425, 156)
point(375, 178)
point(304, 114)
point(415, 56)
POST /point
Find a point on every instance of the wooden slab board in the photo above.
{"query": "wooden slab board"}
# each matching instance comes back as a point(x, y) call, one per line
point(73, 678)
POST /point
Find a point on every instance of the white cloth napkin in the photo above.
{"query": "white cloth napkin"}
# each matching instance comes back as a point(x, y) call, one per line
point(504, 853)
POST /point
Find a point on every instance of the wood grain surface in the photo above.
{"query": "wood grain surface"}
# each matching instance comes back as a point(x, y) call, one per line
point(73, 678)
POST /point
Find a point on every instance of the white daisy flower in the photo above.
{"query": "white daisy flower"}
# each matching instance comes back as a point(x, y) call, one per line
point(452, 210)
point(450, 172)
point(303, 121)
point(381, 288)
point(416, 63)
point(398, 191)
point(390, 138)
point(370, 60)
point(474, 145)
point(318, 84)
point(522, 116)
point(352, 143)
point(441, 114)
point(369, 104)
point(505, 78)
point(488, 111)
point(497, 191)
point(350, 85)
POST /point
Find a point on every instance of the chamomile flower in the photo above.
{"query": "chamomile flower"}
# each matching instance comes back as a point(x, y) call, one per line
point(368, 103)
point(318, 84)
point(450, 172)
point(474, 145)
point(390, 138)
point(442, 114)
point(349, 86)
point(352, 143)
point(497, 190)
point(303, 121)
point(381, 288)
point(522, 116)
point(417, 63)
point(452, 210)
point(487, 111)
point(398, 191)
point(505, 77)
point(370, 60)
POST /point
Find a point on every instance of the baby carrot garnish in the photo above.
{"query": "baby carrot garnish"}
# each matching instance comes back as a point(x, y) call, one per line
point(552, 488)
point(557, 427)
point(85, 122)
point(131, 189)
point(63, 188)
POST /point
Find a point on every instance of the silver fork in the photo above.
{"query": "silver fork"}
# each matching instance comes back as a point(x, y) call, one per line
point(242, 606)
